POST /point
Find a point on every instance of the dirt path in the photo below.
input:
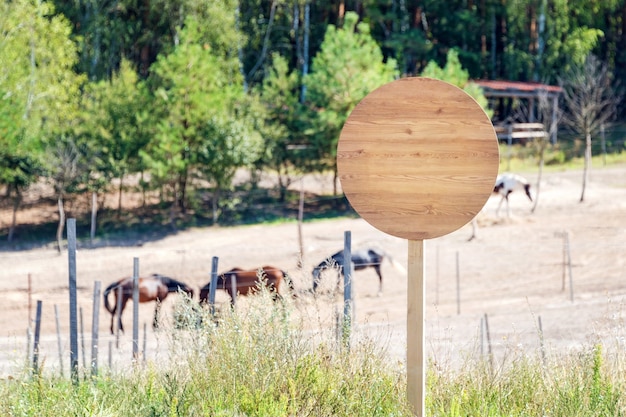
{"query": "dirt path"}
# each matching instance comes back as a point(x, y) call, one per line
point(512, 273)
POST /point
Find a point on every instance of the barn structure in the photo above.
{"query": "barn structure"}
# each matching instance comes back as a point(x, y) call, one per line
point(518, 112)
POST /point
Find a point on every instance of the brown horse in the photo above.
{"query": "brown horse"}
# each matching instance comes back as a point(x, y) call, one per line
point(248, 282)
point(152, 288)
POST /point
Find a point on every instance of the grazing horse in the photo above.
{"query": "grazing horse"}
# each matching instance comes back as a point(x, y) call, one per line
point(152, 288)
point(361, 259)
point(506, 184)
point(247, 282)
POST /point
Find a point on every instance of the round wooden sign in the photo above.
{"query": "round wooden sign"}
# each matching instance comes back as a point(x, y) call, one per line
point(417, 158)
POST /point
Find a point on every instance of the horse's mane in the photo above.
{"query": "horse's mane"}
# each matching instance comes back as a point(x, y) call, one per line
point(171, 283)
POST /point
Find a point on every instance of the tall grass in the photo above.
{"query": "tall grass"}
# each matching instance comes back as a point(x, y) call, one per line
point(259, 361)
point(579, 384)
point(264, 360)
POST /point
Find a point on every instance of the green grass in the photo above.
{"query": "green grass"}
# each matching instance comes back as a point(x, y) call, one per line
point(263, 361)
point(259, 362)
point(572, 385)
point(520, 158)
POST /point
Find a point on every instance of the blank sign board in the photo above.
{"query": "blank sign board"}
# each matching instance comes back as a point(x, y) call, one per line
point(417, 158)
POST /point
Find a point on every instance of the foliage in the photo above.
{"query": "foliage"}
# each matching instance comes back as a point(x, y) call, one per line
point(454, 74)
point(348, 66)
point(202, 123)
point(255, 363)
point(263, 361)
point(580, 385)
point(283, 127)
point(247, 65)
point(38, 86)
point(113, 126)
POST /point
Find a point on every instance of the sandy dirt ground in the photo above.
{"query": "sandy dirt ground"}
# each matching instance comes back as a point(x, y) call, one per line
point(509, 285)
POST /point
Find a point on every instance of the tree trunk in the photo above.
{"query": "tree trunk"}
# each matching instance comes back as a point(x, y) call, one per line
point(305, 49)
point(61, 222)
point(335, 179)
point(182, 191)
point(173, 206)
point(266, 42)
point(215, 199)
point(17, 200)
point(119, 196)
point(143, 191)
point(94, 214)
point(587, 165)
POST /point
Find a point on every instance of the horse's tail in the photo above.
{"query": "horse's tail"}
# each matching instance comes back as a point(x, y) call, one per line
point(397, 265)
point(527, 191)
point(106, 296)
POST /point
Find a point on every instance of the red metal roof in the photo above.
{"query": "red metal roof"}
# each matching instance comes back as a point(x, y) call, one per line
point(511, 86)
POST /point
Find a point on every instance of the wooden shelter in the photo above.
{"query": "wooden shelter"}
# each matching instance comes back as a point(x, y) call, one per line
point(516, 110)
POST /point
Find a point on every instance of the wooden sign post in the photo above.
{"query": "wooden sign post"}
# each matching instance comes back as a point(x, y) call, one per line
point(417, 159)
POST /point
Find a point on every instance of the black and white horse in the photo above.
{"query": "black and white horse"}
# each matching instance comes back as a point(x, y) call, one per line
point(507, 183)
point(361, 259)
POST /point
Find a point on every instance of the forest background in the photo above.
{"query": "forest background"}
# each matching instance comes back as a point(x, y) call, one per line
point(171, 98)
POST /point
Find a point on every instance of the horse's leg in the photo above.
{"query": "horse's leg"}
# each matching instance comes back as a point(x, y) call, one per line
point(125, 298)
point(499, 205)
point(157, 312)
point(114, 312)
point(508, 208)
point(113, 317)
point(380, 279)
point(474, 230)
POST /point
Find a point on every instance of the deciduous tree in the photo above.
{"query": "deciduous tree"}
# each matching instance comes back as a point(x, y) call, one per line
point(591, 99)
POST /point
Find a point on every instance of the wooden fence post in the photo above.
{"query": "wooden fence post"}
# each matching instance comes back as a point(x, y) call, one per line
point(36, 339)
point(30, 301)
point(71, 248)
point(82, 336)
point(348, 302)
point(300, 220)
point(145, 340)
point(233, 286)
point(94, 328)
point(541, 341)
point(489, 351)
point(59, 344)
point(213, 285)
point(135, 308)
point(569, 267)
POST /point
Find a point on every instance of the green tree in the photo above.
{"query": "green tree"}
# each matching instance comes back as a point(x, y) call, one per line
point(111, 132)
point(39, 89)
point(201, 118)
point(397, 27)
point(282, 131)
point(114, 124)
point(348, 66)
point(454, 74)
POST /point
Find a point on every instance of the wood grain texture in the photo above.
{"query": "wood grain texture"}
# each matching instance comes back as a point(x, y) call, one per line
point(418, 158)
point(416, 314)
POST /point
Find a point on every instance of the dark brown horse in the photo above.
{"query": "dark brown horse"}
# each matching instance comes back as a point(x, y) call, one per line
point(248, 282)
point(152, 288)
point(361, 259)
